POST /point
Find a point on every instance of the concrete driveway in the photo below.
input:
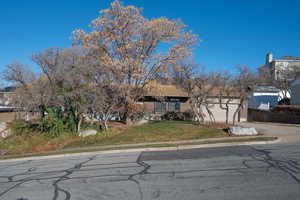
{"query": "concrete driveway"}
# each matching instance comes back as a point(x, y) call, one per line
point(286, 132)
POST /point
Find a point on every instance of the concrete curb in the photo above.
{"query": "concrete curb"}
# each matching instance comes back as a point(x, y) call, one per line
point(179, 147)
point(273, 123)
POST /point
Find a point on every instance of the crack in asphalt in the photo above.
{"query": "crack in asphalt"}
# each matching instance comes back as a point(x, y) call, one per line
point(144, 171)
point(286, 165)
point(68, 172)
point(38, 176)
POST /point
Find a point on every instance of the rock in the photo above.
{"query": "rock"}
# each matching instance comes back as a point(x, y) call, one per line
point(241, 131)
point(141, 122)
point(87, 133)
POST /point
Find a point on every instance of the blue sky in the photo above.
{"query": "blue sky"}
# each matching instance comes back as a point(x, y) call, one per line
point(233, 32)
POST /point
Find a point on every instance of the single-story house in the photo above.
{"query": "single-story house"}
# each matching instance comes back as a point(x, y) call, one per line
point(165, 98)
point(295, 92)
point(264, 97)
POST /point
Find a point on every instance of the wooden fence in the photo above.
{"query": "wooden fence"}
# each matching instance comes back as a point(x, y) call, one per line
point(271, 116)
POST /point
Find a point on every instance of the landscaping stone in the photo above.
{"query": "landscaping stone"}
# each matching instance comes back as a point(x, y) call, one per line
point(241, 131)
point(141, 122)
point(87, 133)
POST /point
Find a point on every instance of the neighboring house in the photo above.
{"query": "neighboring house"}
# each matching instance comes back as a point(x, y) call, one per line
point(265, 97)
point(165, 98)
point(6, 113)
point(6, 110)
point(5, 101)
point(295, 92)
point(277, 66)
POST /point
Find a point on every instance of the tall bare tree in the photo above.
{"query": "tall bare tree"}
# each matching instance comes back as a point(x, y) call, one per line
point(128, 45)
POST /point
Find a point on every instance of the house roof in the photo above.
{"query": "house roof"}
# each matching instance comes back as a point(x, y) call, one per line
point(289, 58)
point(158, 90)
point(266, 89)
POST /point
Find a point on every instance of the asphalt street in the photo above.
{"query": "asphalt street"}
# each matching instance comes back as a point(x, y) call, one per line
point(240, 172)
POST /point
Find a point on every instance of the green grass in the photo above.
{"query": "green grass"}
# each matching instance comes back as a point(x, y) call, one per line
point(165, 131)
point(155, 132)
point(232, 140)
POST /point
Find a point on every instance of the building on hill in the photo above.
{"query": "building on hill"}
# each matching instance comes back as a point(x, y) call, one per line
point(276, 67)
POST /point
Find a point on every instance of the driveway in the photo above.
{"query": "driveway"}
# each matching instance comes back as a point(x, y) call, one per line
point(286, 132)
point(227, 173)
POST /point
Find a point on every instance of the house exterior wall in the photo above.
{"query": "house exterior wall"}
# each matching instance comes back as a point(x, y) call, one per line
point(259, 100)
point(219, 114)
point(7, 116)
point(185, 107)
point(277, 66)
point(295, 97)
point(11, 116)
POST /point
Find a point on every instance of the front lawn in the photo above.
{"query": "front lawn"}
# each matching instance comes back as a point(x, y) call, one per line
point(155, 132)
point(119, 134)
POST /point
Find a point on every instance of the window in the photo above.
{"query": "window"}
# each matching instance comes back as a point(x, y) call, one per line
point(160, 107)
point(174, 106)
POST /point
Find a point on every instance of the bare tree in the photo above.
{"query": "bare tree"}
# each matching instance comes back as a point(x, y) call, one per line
point(200, 88)
point(226, 94)
point(31, 92)
point(126, 44)
point(284, 80)
point(104, 104)
point(18, 74)
point(244, 83)
point(62, 83)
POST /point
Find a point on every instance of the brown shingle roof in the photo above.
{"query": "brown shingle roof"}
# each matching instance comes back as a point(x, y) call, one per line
point(157, 90)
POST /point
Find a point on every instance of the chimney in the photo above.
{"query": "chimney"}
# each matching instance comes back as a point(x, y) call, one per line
point(269, 58)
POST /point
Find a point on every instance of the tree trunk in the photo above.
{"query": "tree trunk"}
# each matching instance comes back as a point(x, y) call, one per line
point(227, 113)
point(235, 113)
point(211, 115)
point(129, 122)
point(79, 124)
point(105, 125)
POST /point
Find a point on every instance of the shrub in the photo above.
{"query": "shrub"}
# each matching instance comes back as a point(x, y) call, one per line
point(89, 125)
point(23, 128)
point(52, 124)
point(177, 116)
